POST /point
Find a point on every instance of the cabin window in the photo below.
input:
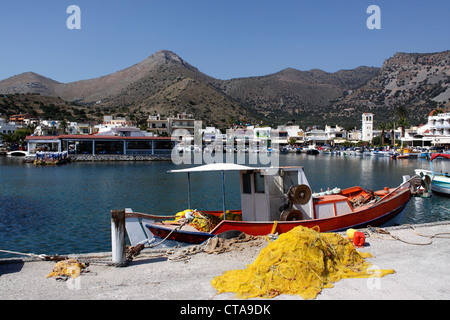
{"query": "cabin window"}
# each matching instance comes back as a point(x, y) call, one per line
point(290, 178)
point(259, 182)
point(246, 183)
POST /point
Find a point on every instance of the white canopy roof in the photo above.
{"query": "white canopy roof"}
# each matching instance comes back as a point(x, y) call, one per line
point(216, 167)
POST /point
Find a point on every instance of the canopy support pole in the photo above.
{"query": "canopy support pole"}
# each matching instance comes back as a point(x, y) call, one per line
point(189, 190)
point(223, 194)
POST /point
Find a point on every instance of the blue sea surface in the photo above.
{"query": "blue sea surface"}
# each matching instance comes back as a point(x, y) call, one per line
point(67, 209)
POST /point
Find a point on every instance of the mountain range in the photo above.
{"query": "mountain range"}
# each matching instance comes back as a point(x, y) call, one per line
point(166, 84)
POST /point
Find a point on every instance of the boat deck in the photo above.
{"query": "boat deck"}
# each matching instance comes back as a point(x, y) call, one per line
point(173, 225)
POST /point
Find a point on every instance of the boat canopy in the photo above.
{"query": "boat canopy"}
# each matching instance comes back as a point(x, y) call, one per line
point(216, 167)
point(443, 155)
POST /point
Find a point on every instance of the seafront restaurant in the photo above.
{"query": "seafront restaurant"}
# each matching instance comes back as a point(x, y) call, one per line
point(101, 145)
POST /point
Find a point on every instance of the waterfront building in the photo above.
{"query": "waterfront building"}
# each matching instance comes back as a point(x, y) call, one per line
point(336, 133)
point(279, 136)
point(211, 134)
point(435, 132)
point(262, 136)
point(296, 133)
point(158, 124)
point(183, 121)
point(102, 144)
point(316, 138)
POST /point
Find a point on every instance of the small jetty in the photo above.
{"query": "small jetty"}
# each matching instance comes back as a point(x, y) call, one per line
point(49, 158)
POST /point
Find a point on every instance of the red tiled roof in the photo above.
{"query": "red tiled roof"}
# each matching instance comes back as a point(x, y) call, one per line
point(92, 137)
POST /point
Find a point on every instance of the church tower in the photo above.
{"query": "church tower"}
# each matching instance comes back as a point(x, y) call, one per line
point(367, 127)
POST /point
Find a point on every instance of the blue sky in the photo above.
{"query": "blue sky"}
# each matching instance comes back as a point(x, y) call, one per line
point(224, 39)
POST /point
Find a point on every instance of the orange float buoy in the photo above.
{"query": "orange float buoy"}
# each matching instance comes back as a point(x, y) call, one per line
point(359, 239)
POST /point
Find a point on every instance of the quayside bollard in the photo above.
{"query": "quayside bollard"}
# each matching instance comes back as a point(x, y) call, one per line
point(118, 242)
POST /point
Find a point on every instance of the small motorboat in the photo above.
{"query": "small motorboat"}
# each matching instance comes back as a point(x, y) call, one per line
point(273, 200)
point(439, 174)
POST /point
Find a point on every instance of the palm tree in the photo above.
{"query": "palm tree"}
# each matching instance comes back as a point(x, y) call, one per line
point(63, 124)
point(402, 113)
point(402, 122)
point(391, 126)
point(382, 126)
point(437, 111)
point(8, 138)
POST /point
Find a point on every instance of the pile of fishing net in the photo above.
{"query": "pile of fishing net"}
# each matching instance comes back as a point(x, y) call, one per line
point(203, 221)
point(69, 268)
point(300, 262)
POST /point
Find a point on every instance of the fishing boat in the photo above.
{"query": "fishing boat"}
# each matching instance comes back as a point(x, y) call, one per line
point(381, 153)
point(273, 201)
point(439, 174)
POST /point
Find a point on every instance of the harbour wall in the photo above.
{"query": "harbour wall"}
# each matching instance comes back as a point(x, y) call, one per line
point(118, 157)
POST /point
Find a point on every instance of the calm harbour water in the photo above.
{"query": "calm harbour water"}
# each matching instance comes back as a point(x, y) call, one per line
point(66, 209)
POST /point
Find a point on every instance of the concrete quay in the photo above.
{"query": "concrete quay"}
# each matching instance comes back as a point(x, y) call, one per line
point(420, 257)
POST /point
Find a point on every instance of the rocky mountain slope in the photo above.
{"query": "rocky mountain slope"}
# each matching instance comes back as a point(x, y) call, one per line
point(164, 83)
point(29, 82)
point(419, 82)
point(291, 94)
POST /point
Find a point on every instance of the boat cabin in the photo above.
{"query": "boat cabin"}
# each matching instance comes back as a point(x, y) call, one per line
point(285, 194)
point(282, 193)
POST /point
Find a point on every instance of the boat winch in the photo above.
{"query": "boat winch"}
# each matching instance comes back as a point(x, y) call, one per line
point(297, 194)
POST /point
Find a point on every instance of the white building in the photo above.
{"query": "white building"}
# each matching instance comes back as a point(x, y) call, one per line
point(435, 132)
point(316, 138)
point(6, 128)
point(159, 125)
point(296, 133)
point(367, 127)
point(117, 121)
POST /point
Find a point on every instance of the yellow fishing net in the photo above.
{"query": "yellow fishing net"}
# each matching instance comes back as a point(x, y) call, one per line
point(67, 268)
point(300, 262)
point(203, 221)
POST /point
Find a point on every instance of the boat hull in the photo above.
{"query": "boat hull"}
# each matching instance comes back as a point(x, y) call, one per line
point(442, 187)
point(194, 237)
point(374, 215)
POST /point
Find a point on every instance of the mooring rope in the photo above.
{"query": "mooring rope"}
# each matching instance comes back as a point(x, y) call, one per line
point(375, 233)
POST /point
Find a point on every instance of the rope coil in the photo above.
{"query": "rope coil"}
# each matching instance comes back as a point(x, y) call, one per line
point(376, 233)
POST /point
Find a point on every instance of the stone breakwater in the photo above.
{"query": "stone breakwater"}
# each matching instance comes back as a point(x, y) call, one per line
point(119, 157)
